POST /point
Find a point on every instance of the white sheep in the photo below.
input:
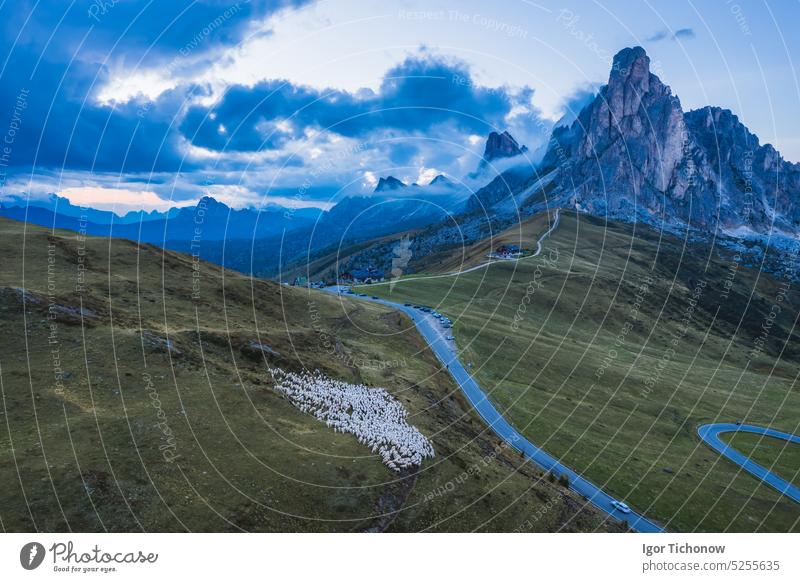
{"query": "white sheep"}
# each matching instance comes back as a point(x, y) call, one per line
point(372, 415)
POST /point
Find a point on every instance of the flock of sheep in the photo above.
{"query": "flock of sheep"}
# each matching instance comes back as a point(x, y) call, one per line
point(371, 414)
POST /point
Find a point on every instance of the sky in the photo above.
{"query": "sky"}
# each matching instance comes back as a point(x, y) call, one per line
point(127, 104)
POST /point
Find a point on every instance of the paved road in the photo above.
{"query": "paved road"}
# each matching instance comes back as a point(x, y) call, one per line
point(482, 265)
point(435, 334)
point(709, 433)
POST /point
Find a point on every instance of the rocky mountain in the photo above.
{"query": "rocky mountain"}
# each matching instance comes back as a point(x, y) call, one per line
point(634, 154)
point(441, 180)
point(388, 184)
point(62, 206)
point(353, 219)
point(501, 182)
point(210, 220)
point(501, 145)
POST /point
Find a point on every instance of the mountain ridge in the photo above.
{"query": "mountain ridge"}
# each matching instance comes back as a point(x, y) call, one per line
point(634, 153)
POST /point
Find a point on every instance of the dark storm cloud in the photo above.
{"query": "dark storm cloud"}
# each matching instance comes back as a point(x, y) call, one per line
point(417, 95)
point(53, 52)
point(134, 29)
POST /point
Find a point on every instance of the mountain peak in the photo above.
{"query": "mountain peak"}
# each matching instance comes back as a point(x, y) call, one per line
point(630, 78)
point(625, 59)
point(636, 154)
point(208, 201)
point(440, 180)
point(501, 145)
point(389, 183)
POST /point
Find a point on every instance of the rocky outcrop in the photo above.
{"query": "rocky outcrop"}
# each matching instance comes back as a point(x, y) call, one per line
point(633, 154)
point(504, 183)
point(757, 188)
point(501, 145)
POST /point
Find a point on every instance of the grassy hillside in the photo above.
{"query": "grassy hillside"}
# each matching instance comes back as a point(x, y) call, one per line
point(445, 258)
point(612, 346)
point(524, 235)
point(135, 396)
point(779, 456)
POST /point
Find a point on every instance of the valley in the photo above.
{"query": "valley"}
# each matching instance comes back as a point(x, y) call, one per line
point(137, 396)
point(609, 350)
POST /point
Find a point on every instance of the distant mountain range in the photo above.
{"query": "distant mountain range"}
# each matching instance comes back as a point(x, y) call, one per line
point(631, 154)
point(62, 206)
point(209, 220)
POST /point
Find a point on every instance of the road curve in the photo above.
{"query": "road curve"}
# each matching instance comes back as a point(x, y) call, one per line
point(709, 433)
point(546, 234)
point(434, 334)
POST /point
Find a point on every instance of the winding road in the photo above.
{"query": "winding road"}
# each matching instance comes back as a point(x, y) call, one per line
point(431, 329)
point(482, 265)
point(709, 433)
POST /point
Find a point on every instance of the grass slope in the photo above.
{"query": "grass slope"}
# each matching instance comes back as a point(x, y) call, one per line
point(613, 345)
point(779, 456)
point(135, 396)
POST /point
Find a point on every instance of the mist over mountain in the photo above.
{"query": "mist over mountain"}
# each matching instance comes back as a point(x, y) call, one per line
point(501, 145)
point(631, 154)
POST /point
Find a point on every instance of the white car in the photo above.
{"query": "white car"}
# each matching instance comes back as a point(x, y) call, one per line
point(449, 338)
point(621, 506)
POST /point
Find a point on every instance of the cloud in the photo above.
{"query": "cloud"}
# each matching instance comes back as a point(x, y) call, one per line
point(119, 200)
point(163, 139)
point(152, 31)
point(60, 54)
point(574, 104)
point(680, 34)
point(419, 94)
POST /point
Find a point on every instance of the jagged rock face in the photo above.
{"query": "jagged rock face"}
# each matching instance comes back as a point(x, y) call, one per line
point(633, 154)
point(501, 145)
point(627, 147)
point(757, 187)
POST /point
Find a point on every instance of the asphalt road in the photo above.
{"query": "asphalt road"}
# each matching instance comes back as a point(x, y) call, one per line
point(546, 234)
point(435, 334)
point(709, 433)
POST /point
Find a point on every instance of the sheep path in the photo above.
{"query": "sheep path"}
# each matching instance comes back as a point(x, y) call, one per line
point(391, 502)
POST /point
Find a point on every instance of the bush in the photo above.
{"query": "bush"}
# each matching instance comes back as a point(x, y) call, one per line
point(563, 480)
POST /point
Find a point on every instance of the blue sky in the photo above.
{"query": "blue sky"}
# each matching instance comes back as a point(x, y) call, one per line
point(125, 104)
